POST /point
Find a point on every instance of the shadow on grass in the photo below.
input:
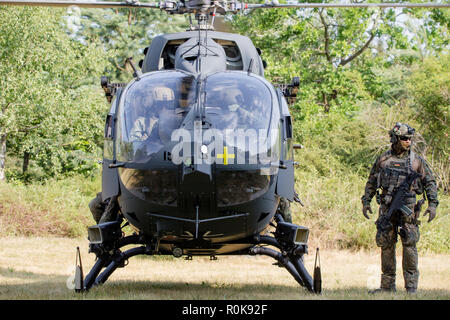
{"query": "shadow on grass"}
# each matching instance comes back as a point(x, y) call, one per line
point(211, 290)
point(28, 285)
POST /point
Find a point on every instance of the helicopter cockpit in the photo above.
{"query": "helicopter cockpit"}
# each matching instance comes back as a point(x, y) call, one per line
point(236, 101)
point(151, 109)
point(157, 104)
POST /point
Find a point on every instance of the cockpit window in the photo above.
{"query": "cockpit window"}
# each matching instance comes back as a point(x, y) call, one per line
point(152, 108)
point(245, 112)
point(237, 101)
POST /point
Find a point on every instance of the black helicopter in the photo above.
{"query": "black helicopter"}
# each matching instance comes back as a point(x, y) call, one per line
point(198, 148)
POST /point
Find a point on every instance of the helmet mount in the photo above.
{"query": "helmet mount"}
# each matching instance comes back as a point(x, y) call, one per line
point(401, 130)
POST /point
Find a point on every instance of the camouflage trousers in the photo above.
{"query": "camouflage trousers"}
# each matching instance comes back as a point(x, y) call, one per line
point(103, 211)
point(386, 240)
point(285, 210)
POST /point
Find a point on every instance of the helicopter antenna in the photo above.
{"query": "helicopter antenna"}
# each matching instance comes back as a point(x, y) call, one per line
point(199, 55)
point(250, 66)
point(136, 73)
point(213, 17)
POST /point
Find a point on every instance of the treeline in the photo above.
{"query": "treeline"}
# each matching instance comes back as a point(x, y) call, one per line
point(361, 70)
point(52, 109)
point(50, 120)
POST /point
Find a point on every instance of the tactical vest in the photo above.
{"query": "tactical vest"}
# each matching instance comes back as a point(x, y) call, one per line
point(393, 171)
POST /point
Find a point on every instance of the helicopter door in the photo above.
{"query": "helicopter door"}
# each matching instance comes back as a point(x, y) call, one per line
point(286, 181)
point(110, 177)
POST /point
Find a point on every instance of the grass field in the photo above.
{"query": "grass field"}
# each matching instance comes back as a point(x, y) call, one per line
point(39, 268)
point(42, 224)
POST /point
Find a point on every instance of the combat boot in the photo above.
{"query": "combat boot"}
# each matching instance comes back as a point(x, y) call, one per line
point(411, 290)
point(382, 290)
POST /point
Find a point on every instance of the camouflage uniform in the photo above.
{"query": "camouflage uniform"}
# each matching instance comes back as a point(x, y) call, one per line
point(97, 207)
point(285, 209)
point(388, 172)
point(104, 211)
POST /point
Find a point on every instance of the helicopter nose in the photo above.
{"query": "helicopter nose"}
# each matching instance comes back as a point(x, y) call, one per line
point(196, 177)
point(197, 192)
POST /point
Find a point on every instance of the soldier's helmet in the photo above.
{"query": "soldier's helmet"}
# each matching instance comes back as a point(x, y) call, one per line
point(232, 97)
point(142, 104)
point(401, 130)
point(163, 94)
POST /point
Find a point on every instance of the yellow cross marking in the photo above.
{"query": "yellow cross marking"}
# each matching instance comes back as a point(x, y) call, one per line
point(225, 156)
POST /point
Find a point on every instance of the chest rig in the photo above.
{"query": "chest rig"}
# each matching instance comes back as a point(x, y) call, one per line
point(393, 171)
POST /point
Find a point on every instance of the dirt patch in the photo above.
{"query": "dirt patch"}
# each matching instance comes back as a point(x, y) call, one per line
point(20, 220)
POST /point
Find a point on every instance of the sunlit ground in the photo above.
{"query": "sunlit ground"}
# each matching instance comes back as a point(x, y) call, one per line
point(39, 268)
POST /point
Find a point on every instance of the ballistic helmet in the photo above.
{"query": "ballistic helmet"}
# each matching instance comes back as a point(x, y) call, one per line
point(401, 130)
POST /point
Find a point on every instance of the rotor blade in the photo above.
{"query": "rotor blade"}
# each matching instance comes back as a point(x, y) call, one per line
point(81, 4)
point(174, 6)
point(275, 4)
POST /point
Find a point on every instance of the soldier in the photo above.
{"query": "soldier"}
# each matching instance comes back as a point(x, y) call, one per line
point(104, 211)
point(146, 119)
point(388, 172)
point(285, 209)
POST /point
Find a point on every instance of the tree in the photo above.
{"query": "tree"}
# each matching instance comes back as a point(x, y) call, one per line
point(48, 108)
point(429, 90)
point(125, 33)
point(323, 46)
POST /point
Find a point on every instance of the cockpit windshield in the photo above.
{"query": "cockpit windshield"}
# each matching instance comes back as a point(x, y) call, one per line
point(237, 101)
point(152, 108)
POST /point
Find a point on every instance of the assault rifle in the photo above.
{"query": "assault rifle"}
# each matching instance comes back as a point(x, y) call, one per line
point(398, 202)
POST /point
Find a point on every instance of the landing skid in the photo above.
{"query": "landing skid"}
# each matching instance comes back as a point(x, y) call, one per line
point(288, 251)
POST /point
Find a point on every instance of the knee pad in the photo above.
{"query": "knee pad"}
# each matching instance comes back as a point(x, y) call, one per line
point(386, 239)
point(410, 234)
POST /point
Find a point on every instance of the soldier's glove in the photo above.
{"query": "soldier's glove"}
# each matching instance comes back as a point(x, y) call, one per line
point(432, 213)
point(366, 207)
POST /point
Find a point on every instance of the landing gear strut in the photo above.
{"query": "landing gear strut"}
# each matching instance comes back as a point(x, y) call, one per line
point(291, 240)
point(106, 240)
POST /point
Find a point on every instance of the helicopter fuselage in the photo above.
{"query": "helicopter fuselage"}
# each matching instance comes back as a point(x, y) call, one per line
point(210, 175)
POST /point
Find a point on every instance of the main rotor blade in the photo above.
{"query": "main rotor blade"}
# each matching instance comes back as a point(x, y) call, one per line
point(210, 6)
point(81, 4)
point(275, 4)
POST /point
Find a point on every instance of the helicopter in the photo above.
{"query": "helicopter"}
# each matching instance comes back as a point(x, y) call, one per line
point(198, 148)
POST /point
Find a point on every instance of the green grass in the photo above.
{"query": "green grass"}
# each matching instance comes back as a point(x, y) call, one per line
point(58, 207)
point(332, 211)
point(39, 268)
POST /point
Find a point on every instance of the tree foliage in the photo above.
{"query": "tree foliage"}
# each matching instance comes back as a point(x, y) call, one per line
point(348, 60)
point(322, 46)
point(50, 113)
point(125, 33)
point(351, 61)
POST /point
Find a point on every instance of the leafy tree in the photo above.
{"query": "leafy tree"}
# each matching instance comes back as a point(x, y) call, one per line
point(50, 114)
point(125, 33)
point(322, 46)
point(345, 58)
point(429, 86)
